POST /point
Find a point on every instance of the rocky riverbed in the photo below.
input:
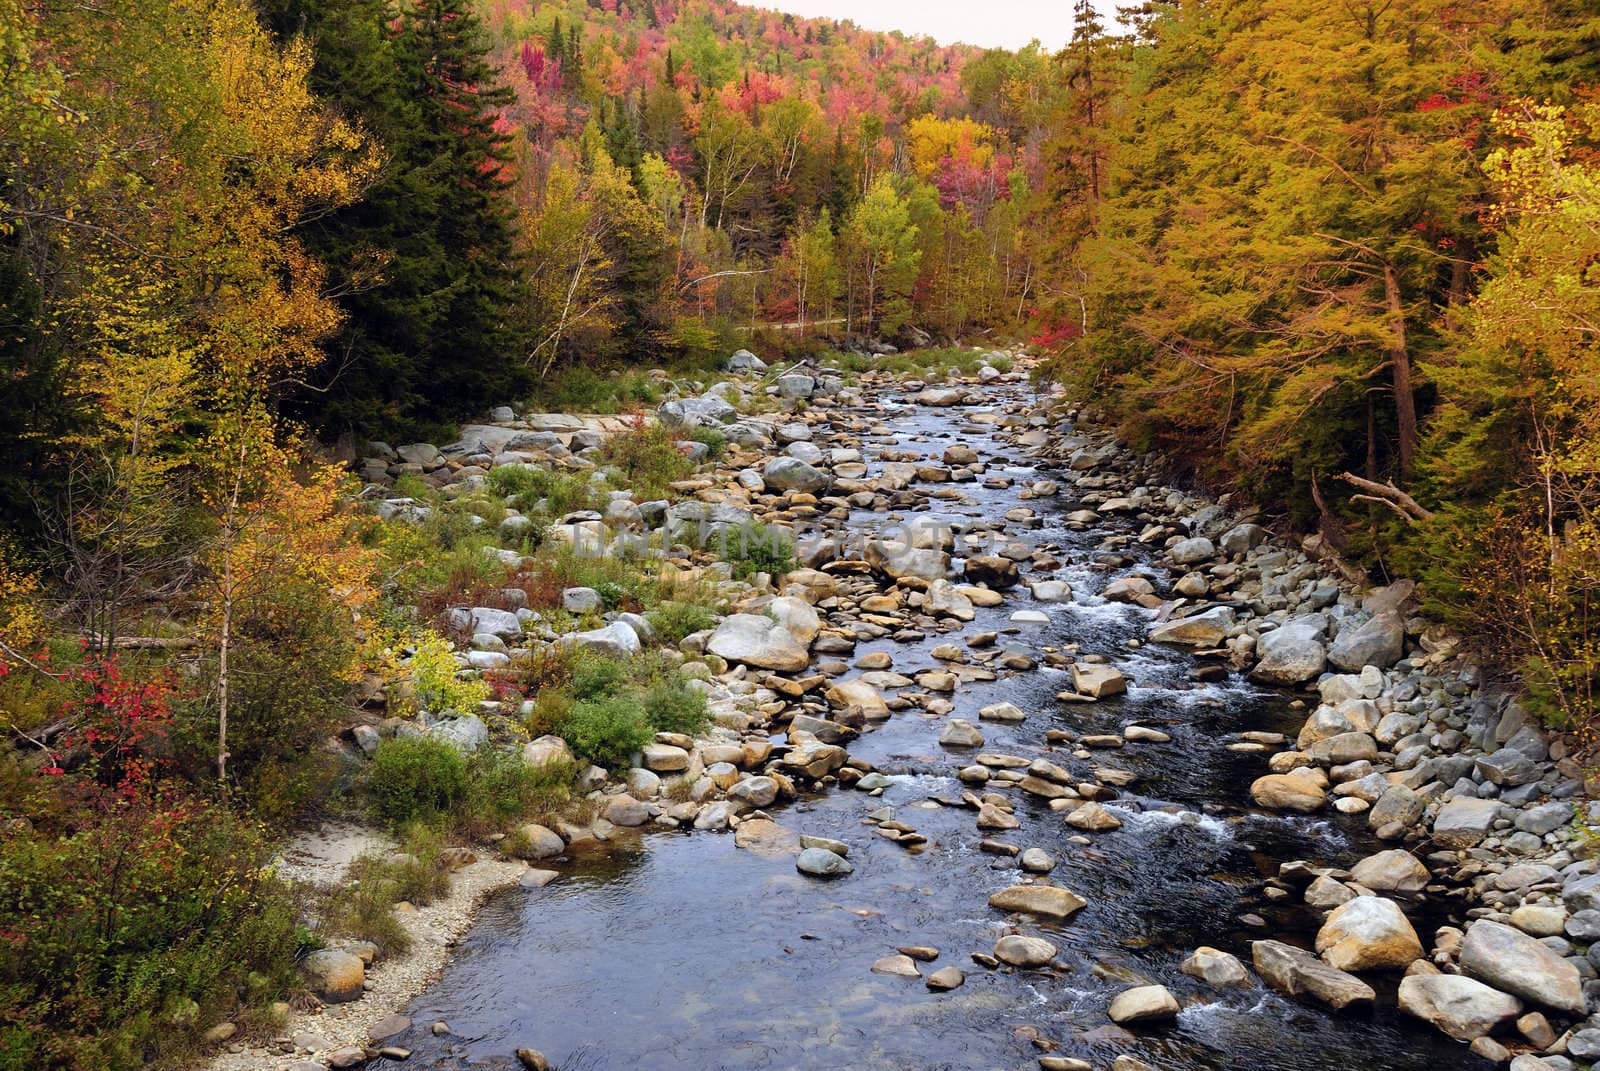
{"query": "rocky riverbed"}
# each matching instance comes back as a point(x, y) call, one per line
point(1035, 762)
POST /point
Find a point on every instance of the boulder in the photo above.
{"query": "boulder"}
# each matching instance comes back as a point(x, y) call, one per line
point(792, 474)
point(1395, 870)
point(1291, 654)
point(756, 640)
point(335, 976)
point(581, 600)
point(821, 863)
point(939, 396)
point(1143, 1004)
point(1128, 589)
point(534, 841)
point(860, 695)
point(1368, 933)
point(1296, 972)
point(745, 361)
point(1513, 962)
point(1098, 681)
point(1292, 791)
point(545, 750)
point(766, 837)
point(1380, 641)
point(616, 640)
point(467, 732)
point(1464, 821)
point(708, 411)
point(991, 570)
point(1046, 901)
point(1460, 1006)
point(1192, 551)
point(665, 758)
point(1207, 629)
point(796, 385)
point(797, 616)
point(961, 733)
point(1020, 951)
point(1216, 967)
point(625, 811)
point(947, 600)
point(896, 559)
point(1397, 804)
point(485, 619)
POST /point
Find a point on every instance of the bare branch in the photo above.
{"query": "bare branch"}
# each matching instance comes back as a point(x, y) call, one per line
point(1389, 495)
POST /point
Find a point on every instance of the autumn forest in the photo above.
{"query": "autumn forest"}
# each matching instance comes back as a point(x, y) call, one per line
point(1339, 261)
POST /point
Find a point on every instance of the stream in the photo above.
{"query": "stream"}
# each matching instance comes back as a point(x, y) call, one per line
point(685, 952)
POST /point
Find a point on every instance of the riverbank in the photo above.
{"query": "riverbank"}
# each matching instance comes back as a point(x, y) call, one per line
point(870, 654)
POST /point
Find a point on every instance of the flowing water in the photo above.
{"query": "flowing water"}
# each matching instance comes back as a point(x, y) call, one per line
point(685, 952)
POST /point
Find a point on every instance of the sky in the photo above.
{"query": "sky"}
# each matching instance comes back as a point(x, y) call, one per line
point(990, 23)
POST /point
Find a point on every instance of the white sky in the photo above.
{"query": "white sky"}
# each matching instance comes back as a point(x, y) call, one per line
point(990, 23)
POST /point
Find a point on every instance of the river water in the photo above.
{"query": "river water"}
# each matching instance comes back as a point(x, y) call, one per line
point(685, 952)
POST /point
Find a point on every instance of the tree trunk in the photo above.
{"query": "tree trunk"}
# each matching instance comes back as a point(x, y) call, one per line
point(1405, 403)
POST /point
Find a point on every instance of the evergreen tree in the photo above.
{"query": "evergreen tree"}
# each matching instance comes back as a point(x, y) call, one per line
point(426, 262)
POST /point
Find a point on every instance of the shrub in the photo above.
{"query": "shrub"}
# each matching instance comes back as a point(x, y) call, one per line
point(757, 548)
point(648, 457)
point(504, 790)
point(671, 706)
point(596, 677)
point(606, 731)
point(125, 940)
point(417, 778)
point(714, 441)
point(675, 620)
point(581, 389)
point(435, 686)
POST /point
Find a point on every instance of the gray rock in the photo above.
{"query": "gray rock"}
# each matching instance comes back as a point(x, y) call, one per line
point(796, 385)
point(467, 732)
point(1241, 538)
point(1544, 818)
point(1216, 967)
point(1584, 926)
point(1508, 768)
point(1585, 1044)
point(758, 641)
point(1462, 1007)
point(704, 412)
point(1291, 654)
point(486, 619)
point(745, 361)
point(792, 474)
point(1192, 551)
point(821, 863)
point(581, 600)
point(1395, 870)
point(615, 640)
point(1296, 972)
point(1464, 822)
point(1513, 962)
point(1380, 642)
point(1397, 804)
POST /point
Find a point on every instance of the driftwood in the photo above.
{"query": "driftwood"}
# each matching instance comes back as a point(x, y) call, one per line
point(1387, 494)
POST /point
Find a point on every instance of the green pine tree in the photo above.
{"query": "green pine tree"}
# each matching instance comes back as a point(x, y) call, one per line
point(427, 260)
